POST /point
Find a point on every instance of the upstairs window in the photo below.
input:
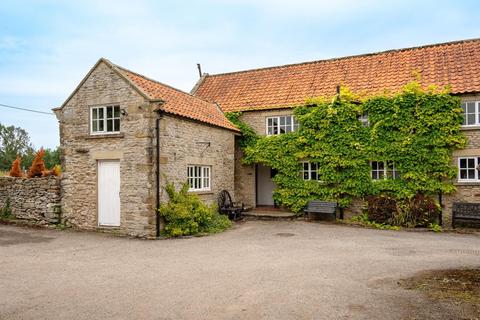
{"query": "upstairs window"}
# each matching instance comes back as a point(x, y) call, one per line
point(363, 118)
point(308, 170)
point(383, 170)
point(467, 169)
point(471, 110)
point(198, 178)
point(105, 119)
point(281, 124)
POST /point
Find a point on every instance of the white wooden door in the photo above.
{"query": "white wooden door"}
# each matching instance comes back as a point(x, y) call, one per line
point(109, 192)
point(265, 186)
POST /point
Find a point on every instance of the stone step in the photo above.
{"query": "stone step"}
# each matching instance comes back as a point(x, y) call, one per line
point(269, 214)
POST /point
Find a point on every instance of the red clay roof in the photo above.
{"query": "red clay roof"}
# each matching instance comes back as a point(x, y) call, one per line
point(456, 64)
point(178, 102)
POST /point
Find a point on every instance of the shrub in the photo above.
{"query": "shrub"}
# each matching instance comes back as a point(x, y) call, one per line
point(420, 211)
point(381, 208)
point(6, 210)
point(16, 171)
point(38, 166)
point(186, 214)
point(55, 171)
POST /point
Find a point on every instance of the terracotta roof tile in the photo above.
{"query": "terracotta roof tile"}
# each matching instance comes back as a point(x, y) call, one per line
point(178, 102)
point(456, 64)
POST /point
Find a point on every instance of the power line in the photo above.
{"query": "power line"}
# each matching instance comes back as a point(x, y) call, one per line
point(25, 109)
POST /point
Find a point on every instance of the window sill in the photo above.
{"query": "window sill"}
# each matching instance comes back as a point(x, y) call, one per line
point(467, 183)
point(104, 136)
point(468, 128)
point(200, 192)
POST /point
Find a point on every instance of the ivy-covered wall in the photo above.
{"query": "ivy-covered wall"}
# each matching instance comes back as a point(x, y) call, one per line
point(417, 130)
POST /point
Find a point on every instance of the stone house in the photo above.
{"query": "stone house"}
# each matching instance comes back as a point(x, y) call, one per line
point(266, 97)
point(124, 135)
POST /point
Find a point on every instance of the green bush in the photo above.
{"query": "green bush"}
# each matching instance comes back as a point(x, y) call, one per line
point(185, 214)
point(6, 211)
point(420, 211)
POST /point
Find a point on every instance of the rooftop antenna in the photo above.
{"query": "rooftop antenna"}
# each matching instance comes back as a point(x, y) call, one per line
point(199, 69)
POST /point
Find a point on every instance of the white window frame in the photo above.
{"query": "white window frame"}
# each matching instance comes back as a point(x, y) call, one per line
point(363, 118)
point(293, 126)
point(467, 168)
point(476, 112)
point(199, 177)
point(309, 170)
point(105, 119)
point(389, 171)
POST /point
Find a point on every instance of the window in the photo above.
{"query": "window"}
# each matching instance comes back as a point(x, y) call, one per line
point(309, 171)
point(363, 118)
point(198, 178)
point(471, 112)
point(467, 169)
point(281, 124)
point(105, 119)
point(383, 170)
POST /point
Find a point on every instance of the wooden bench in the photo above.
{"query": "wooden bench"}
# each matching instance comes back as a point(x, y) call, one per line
point(317, 206)
point(464, 211)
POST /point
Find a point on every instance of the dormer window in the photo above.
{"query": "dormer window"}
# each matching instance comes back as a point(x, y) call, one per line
point(105, 120)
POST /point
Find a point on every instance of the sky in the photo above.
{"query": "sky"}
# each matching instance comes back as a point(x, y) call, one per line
point(47, 47)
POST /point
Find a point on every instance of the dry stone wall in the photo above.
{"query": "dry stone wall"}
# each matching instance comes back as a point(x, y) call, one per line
point(36, 200)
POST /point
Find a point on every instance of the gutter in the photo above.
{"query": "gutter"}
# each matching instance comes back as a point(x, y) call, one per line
point(157, 172)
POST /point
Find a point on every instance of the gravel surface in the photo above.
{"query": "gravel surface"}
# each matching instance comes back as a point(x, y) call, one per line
point(257, 270)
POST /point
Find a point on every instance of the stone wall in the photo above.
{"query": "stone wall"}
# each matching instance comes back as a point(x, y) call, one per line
point(186, 142)
point(35, 199)
point(132, 146)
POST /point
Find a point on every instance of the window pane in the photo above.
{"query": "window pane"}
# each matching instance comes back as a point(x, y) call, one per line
point(471, 118)
point(463, 174)
point(94, 113)
point(95, 126)
point(375, 175)
point(380, 165)
point(109, 112)
point(314, 175)
point(100, 113)
point(305, 175)
point(275, 121)
point(381, 175)
point(470, 107)
point(288, 120)
point(116, 112)
point(282, 121)
point(374, 165)
point(116, 123)
point(109, 125)
point(100, 125)
point(270, 131)
point(463, 163)
point(471, 174)
point(282, 129)
point(269, 122)
point(471, 163)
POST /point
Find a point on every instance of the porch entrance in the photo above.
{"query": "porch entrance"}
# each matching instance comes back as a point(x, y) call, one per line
point(265, 185)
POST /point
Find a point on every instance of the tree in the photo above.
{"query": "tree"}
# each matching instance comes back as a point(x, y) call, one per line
point(14, 141)
point(52, 157)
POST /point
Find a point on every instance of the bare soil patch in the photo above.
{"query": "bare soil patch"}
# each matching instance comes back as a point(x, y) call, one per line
point(456, 292)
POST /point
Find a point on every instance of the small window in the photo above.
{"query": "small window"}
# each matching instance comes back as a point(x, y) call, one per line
point(471, 112)
point(383, 170)
point(281, 125)
point(309, 171)
point(199, 178)
point(467, 169)
point(105, 119)
point(363, 118)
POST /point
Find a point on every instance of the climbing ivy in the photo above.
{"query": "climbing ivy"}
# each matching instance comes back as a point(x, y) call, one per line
point(416, 129)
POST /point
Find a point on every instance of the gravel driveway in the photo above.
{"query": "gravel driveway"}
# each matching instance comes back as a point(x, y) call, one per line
point(257, 270)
